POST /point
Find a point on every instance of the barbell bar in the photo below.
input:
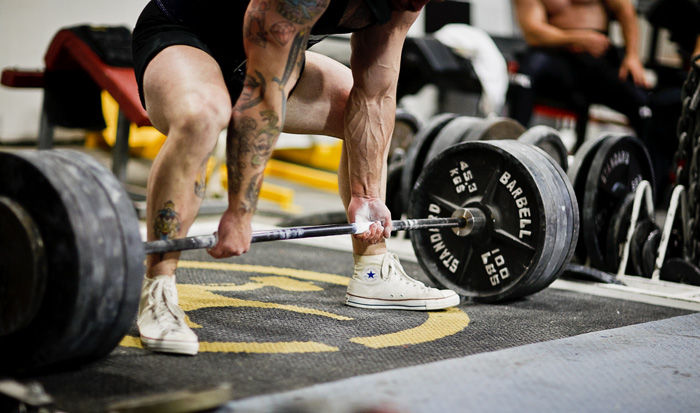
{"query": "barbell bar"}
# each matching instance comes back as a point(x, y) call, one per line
point(465, 224)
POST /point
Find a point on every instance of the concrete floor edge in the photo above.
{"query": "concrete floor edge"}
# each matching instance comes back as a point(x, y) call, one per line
point(648, 367)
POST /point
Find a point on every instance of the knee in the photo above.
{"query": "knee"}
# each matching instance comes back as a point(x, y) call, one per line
point(199, 121)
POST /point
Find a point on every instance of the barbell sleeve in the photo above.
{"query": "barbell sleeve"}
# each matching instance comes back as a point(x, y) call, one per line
point(208, 241)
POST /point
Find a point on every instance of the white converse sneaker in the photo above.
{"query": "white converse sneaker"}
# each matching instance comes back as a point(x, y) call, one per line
point(379, 281)
point(161, 321)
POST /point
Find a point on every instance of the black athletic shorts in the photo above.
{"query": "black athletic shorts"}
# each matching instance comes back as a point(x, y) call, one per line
point(220, 37)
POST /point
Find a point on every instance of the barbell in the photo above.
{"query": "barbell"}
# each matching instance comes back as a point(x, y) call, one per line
point(495, 221)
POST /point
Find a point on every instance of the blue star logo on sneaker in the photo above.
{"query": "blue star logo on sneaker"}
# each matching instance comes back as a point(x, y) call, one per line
point(370, 274)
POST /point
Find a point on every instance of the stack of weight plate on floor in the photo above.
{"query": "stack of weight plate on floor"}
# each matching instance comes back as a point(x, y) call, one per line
point(84, 271)
point(532, 223)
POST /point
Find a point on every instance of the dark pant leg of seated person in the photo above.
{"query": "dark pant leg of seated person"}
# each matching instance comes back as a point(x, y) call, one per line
point(543, 73)
point(602, 85)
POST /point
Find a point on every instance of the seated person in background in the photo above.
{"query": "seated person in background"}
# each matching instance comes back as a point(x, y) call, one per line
point(570, 58)
point(569, 49)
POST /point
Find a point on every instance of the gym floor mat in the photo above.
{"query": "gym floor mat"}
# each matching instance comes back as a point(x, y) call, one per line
point(274, 320)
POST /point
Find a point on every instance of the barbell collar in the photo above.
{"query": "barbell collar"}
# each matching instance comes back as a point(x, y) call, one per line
point(209, 241)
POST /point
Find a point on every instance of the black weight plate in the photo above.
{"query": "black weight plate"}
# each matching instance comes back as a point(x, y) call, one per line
point(638, 255)
point(130, 256)
point(468, 128)
point(101, 278)
point(22, 267)
point(415, 156)
point(572, 215)
point(681, 271)
point(650, 251)
point(562, 206)
point(67, 226)
point(586, 273)
point(490, 265)
point(549, 140)
point(550, 260)
point(620, 163)
point(577, 173)
point(564, 199)
point(405, 128)
point(394, 198)
point(617, 233)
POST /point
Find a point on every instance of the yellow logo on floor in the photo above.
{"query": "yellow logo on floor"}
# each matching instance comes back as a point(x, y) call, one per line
point(439, 324)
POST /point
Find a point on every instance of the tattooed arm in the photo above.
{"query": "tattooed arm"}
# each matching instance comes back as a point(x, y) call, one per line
point(369, 118)
point(275, 37)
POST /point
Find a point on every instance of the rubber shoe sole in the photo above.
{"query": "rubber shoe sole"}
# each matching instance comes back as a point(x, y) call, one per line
point(169, 346)
point(413, 304)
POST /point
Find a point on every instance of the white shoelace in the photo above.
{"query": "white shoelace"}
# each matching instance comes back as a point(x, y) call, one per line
point(393, 266)
point(167, 315)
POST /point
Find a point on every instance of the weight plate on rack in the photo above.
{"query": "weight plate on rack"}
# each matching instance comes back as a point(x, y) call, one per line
point(619, 164)
point(577, 173)
point(617, 233)
point(642, 252)
point(680, 270)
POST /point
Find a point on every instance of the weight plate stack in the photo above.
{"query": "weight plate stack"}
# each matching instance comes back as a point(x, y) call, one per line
point(84, 266)
point(516, 253)
point(129, 256)
point(553, 175)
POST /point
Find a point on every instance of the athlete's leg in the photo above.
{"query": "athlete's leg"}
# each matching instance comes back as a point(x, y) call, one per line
point(187, 100)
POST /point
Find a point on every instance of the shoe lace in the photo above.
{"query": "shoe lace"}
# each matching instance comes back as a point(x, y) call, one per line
point(393, 268)
point(168, 314)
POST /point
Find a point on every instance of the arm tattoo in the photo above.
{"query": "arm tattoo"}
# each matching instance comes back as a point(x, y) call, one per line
point(238, 146)
point(293, 60)
point(301, 11)
point(167, 222)
point(255, 26)
point(252, 194)
point(265, 140)
point(282, 31)
point(253, 92)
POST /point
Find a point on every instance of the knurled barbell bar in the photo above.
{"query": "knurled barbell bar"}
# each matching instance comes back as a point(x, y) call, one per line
point(497, 221)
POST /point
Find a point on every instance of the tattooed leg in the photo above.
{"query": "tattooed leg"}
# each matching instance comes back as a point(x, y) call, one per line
point(200, 184)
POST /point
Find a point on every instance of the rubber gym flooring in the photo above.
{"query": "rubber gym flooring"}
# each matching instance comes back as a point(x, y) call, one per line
point(275, 333)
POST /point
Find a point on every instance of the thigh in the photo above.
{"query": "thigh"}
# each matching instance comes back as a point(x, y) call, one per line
point(317, 104)
point(181, 80)
point(551, 73)
point(604, 86)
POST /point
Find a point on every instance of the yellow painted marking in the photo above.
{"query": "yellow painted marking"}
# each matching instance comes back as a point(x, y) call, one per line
point(286, 272)
point(283, 283)
point(194, 297)
point(274, 348)
point(439, 324)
